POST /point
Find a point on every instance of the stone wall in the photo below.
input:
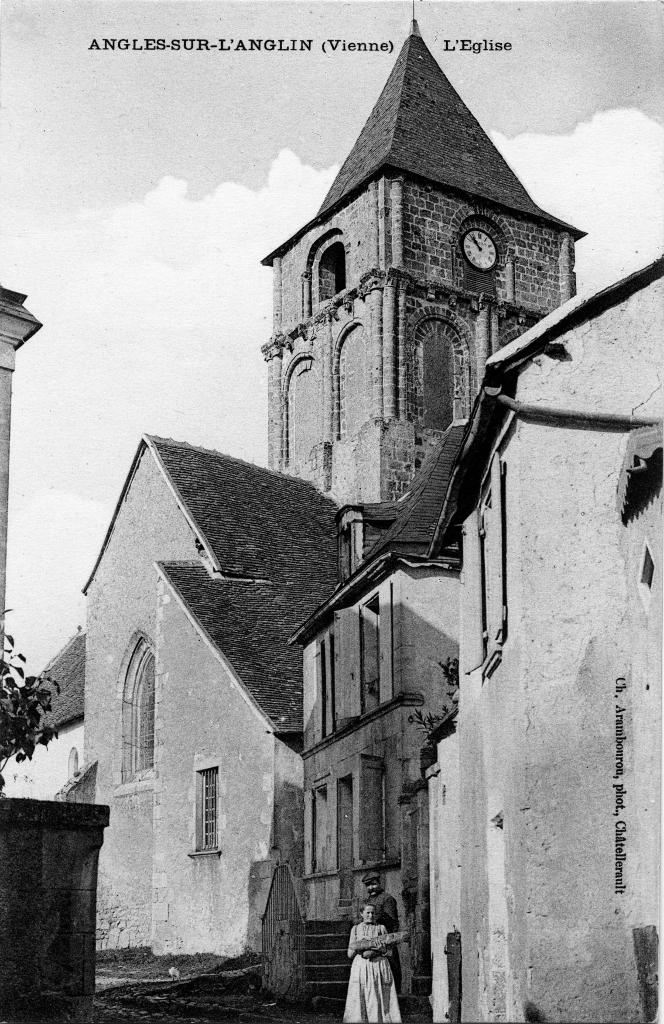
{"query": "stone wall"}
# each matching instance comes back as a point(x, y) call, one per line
point(122, 604)
point(528, 251)
point(49, 856)
point(209, 902)
point(544, 928)
point(367, 353)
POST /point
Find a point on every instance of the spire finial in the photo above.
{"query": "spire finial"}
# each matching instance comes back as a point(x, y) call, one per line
point(414, 28)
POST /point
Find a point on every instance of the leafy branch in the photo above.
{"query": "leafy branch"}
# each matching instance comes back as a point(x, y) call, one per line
point(24, 700)
point(428, 722)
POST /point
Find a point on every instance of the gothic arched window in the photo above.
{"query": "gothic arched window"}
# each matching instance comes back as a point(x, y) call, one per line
point(332, 272)
point(354, 383)
point(443, 391)
point(138, 711)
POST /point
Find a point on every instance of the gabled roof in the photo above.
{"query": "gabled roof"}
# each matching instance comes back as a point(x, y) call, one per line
point(249, 623)
point(413, 529)
point(67, 669)
point(420, 126)
point(272, 539)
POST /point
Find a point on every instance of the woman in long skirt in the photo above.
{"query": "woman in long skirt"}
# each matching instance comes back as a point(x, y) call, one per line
point(372, 995)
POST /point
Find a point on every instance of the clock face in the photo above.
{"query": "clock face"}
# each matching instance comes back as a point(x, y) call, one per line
point(479, 249)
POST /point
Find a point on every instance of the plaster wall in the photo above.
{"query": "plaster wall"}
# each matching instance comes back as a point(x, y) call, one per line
point(122, 600)
point(210, 901)
point(45, 775)
point(445, 875)
point(419, 626)
point(644, 624)
point(543, 928)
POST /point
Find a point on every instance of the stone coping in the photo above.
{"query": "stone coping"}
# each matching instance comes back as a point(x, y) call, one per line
point(18, 812)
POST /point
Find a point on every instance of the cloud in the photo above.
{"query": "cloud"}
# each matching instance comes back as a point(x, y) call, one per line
point(606, 179)
point(154, 315)
point(53, 542)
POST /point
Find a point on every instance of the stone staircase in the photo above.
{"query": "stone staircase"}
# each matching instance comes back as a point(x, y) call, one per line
point(326, 964)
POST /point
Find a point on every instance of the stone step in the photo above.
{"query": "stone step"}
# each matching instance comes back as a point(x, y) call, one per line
point(326, 955)
point(326, 989)
point(320, 940)
point(327, 972)
point(327, 927)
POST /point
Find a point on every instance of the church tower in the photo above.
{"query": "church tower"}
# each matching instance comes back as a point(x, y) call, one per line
point(426, 255)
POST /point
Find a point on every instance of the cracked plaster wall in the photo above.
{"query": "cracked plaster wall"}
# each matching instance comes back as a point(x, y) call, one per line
point(538, 735)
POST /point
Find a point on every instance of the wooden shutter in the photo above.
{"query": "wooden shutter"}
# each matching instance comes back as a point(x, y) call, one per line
point(371, 810)
point(347, 654)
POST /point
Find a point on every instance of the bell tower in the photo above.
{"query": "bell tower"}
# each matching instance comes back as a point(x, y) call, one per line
point(426, 256)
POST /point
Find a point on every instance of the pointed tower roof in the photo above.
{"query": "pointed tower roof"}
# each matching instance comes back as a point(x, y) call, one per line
point(421, 126)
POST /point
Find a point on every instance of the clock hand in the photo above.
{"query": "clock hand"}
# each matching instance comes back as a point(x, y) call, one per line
point(476, 243)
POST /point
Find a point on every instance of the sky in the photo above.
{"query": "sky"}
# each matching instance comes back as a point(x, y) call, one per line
point(140, 190)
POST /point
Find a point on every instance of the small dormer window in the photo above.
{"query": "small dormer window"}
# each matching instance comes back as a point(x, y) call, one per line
point(351, 542)
point(332, 272)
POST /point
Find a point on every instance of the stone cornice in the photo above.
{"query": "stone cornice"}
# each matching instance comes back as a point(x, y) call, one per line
point(375, 280)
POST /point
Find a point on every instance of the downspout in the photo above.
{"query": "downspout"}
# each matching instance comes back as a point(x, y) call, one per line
point(550, 414)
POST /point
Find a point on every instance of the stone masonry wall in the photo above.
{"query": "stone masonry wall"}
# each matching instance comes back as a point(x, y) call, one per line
point(398, 299)
point(434, 222)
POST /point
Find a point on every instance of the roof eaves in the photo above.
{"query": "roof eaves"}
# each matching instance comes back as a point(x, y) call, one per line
point(486, 414)
point(572, 313)
point(377, 172)
point(162, 570)
point(142, 445)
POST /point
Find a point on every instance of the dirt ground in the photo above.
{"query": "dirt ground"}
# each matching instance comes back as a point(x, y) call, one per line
point(134, 985)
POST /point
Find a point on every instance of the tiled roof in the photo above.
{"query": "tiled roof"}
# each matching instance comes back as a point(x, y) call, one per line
point(413, 529)
point(68, 670)
point(410, 533)
point(258, 523)
point(275, 529)
point(249, 624)
point(421, 126)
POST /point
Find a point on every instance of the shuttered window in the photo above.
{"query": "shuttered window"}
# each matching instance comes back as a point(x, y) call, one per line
point(371, 810)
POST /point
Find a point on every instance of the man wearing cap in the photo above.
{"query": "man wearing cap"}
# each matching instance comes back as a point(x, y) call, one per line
point(386, 914)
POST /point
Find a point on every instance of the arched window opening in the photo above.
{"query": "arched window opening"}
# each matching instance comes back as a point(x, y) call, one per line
point(332, 272)
point(444, 386)
point(354, 383)
point(73, 763)
point(138, 712)
point(302, 413)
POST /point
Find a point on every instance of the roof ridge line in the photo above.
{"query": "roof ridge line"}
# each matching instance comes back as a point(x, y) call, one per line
point(65, 647)
point(155, 438)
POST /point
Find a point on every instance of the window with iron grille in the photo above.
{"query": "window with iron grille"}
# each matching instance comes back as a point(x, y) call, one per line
point(138, 706)
point(207, 817)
